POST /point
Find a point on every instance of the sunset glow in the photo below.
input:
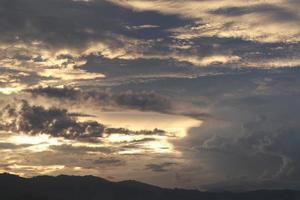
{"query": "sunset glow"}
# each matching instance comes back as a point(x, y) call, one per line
point(194, 94)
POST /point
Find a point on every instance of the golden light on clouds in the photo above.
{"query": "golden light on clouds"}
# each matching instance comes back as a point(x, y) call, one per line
point(25, 170)
point(257, 25)
point(136, 120)
point(10, 90)
point(176, 127)
point(206, 61)
point(70, 74)
point(36, 143)
point(181, 88)
point(10, 84)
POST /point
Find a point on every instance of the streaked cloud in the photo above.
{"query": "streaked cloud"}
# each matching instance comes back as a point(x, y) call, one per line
point(219, 18)
point(195, 94)
point(145, 101)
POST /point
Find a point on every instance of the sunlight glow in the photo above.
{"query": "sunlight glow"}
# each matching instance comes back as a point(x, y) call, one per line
point(41, 169)
point(38, 143)
point(13, 88)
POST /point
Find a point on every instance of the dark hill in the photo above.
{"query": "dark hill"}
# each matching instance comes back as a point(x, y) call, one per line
point(93, 188)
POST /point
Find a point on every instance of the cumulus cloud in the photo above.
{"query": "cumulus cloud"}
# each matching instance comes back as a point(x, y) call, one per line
point(266, 144)
point(249, 131)
point(35, 120)
point(21, 117)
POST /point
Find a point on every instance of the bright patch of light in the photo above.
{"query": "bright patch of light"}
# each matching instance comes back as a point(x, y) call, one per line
point(41, 169)
point(38, 143)
point(123, 138)
point(131, 151)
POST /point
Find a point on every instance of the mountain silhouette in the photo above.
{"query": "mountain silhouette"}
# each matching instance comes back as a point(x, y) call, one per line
point(63, 187)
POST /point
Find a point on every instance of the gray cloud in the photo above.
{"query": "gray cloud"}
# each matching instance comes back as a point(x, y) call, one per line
point(109, 162)
point(140, 52)
point(130, 132)
point(81, 149)
point(163, 167)
point(51, 92)
point(34, 120)
point(53, 21)
point(277, 13)
point(145, 101)
point(6, 145)
point(66, 34)
point(22, 117)
point(249, 134)
point(253, 136)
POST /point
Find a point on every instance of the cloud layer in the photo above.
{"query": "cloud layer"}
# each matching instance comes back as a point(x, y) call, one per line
point(34, 120)
point(145, 101)
point(71, 42)
point(21, 117)
point(195, 94)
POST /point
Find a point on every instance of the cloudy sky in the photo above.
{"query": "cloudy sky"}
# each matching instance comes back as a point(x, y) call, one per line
point(177, 93)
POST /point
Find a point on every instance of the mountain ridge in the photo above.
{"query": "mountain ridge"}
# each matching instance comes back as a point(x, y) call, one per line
point(64, 187)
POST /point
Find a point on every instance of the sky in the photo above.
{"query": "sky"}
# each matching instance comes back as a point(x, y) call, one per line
point(199, 94)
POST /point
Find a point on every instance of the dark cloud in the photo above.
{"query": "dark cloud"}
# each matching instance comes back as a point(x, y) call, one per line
point(264, 154)
point(68, 34)
point(276, 12)
point(12, 78)
point(163, 167)
point(135, 44)
point(74, 23)
point(130, 132)
point(81, 149)
point(249, 134)
point(168, 60)
point(249, 131)
point(34, 120)
point(198, 115)
point(140, 67)
point(22, 117)
point(109, 162)
point(6, 145)
point(145, 101)
point(51, 92)
point(254, 136)
point(135, 144)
